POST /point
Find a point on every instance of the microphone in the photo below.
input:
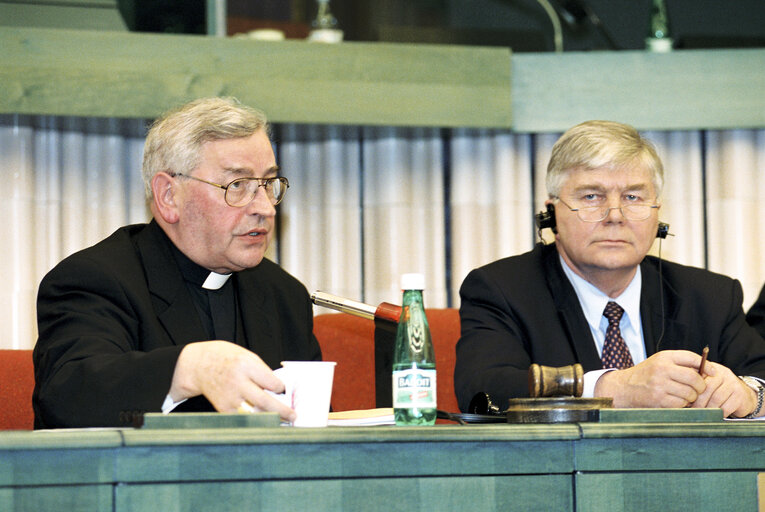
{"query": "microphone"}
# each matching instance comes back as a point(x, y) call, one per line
point(384, 311)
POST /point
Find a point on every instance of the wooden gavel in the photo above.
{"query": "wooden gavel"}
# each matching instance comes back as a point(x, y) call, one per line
point(545, 381)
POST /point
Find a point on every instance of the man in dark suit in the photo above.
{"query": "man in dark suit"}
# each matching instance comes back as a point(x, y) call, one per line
point(183, 313)
point(636, 324)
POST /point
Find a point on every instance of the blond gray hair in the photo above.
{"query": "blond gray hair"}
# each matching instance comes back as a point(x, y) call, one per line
point(601, 144)
point(174, 141)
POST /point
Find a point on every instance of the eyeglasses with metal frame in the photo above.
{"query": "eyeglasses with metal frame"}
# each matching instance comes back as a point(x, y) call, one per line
point(242, 191)
point(598, 213)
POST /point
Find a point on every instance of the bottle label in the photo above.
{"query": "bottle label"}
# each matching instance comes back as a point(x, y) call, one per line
point(414, 388)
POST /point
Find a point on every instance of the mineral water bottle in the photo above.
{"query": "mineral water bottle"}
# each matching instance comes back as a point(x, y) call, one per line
point(414, 363)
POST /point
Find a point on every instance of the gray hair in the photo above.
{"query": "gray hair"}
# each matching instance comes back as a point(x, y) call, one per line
point(175, 139)
point(601, 144)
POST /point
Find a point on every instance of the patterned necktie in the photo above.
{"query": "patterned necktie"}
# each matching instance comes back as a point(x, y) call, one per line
point(615, 351)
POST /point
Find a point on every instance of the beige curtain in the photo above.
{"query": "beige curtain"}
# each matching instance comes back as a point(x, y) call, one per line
point(736, 209)
point(365, 204)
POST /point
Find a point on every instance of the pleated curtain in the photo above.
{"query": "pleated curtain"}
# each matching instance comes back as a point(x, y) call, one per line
point(365, 204)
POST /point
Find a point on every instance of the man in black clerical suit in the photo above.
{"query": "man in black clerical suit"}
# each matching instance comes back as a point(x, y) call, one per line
point(756, 314)
point(183, 313)
point(637, 325)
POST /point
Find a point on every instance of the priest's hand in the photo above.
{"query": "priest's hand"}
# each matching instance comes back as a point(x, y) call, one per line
point(229, 376)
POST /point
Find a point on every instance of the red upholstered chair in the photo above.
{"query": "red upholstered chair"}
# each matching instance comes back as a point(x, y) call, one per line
point(17, 381)
point(349, 340)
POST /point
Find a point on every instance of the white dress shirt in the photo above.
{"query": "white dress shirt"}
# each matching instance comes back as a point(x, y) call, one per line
point(593, 302)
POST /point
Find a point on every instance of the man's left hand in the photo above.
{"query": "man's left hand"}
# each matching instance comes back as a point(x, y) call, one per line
point(726, 391)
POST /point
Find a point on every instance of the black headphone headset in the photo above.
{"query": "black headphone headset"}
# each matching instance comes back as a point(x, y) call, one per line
point(546, 219)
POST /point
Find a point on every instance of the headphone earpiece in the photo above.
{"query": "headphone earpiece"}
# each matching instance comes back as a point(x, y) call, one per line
point(546, 219)
point(663, 230)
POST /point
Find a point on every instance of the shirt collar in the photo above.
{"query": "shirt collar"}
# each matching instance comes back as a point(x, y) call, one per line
point(593, 301)
point(215, 281)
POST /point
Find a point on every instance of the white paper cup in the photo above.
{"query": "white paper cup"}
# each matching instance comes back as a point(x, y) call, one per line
point(308, 388)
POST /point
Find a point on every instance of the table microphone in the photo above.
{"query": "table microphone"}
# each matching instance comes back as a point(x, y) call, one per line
point(384, 311)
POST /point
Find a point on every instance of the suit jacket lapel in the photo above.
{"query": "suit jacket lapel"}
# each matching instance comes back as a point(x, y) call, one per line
point(170, 298)
point(659, 306)
point(257, 322)
point(570, 312)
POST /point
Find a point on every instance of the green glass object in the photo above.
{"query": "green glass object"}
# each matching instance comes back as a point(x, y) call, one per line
point(414, 362)
point(658, 39)
point(324, 17)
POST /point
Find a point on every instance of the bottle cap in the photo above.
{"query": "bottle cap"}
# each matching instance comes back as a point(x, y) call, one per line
point(413, 282)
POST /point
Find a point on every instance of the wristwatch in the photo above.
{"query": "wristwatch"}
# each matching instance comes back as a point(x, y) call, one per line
point(758, 388)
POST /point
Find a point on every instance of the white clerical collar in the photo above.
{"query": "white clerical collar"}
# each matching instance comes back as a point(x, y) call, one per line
point(214, 281)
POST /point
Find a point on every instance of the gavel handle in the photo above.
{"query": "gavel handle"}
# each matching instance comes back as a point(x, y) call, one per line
point(385, 311)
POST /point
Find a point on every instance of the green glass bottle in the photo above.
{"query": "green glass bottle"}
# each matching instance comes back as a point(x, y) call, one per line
point(414, 362)
point(658, 39)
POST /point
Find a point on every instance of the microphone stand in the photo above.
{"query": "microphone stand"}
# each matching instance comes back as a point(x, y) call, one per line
point(385, 316)
point(384, 311)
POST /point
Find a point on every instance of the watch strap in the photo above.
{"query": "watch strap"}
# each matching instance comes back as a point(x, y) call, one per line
point(759, 389)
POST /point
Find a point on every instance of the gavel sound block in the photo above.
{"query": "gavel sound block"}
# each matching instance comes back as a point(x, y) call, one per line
point(556, 397)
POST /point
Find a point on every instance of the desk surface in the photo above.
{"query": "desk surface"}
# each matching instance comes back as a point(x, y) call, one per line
point(658, 466)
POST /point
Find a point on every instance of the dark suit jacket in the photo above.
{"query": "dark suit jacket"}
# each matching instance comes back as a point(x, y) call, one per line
point(113, 319)
point(523, 310)
point(756, 314)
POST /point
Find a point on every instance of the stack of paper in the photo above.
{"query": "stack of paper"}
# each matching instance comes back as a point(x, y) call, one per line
point(383, 416)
